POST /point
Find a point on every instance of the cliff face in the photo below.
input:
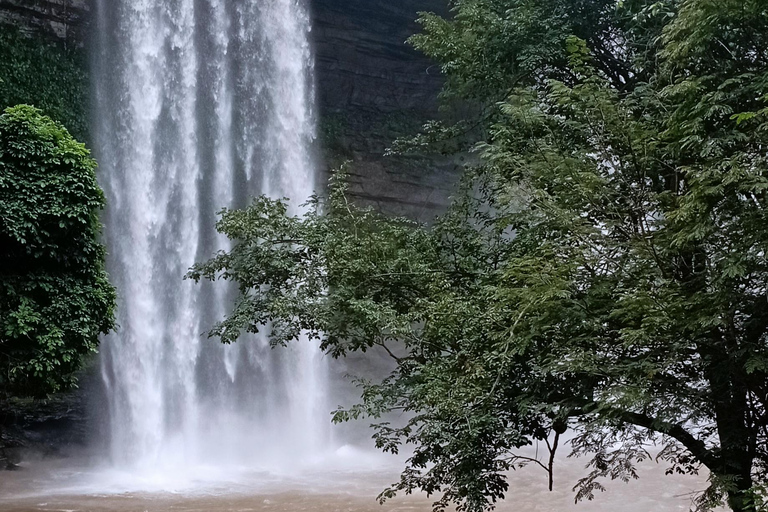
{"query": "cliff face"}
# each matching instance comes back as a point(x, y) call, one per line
point(363, 61)
point(62, 20)
point(371, 87)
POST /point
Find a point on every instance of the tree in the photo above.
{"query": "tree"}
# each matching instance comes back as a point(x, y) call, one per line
point(603, 268)
point(55, 297)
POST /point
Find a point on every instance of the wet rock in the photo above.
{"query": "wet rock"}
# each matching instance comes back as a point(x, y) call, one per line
point(63, 20)
point(10, 466)
point(44, 427)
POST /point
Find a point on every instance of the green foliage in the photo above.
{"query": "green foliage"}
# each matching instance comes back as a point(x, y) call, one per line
point(604, 268)
point(46, 75)
point(55, 297)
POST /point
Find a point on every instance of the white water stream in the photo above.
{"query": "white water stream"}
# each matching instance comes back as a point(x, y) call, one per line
point(200, 104)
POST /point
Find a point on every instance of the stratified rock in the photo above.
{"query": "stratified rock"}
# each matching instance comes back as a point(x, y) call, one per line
point(373, 87)
point(363, 61)
point(63, 20)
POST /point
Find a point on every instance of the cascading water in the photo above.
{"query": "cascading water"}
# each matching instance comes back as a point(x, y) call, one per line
point(199, 105)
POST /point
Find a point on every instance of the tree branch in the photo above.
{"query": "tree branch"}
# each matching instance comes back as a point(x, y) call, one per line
point(695, 446)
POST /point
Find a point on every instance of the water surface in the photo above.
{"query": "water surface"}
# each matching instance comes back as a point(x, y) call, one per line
point(348, 483)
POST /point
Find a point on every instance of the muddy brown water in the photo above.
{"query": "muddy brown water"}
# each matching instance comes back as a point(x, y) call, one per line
point(68, 486)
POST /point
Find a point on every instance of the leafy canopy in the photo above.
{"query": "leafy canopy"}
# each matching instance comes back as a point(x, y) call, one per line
point(55, 297)
point(603, 268)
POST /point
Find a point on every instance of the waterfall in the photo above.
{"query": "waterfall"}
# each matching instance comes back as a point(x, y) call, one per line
point(199, 105)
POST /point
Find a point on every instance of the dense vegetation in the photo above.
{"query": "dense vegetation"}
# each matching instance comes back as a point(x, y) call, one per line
point(603, 269)
point(44, 74)
point(55, 298)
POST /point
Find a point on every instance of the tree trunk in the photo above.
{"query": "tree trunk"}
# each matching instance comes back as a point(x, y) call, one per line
point(735, 456)
point(741, 499)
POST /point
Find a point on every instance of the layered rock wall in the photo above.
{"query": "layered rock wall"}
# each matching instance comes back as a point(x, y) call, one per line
point(371, 86)
point(61, 20)
point(363, 61)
